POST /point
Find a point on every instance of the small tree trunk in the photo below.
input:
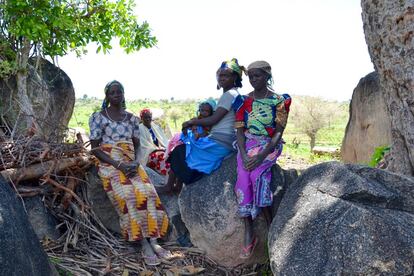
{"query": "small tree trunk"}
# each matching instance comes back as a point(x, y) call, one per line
point(388, 27)
point(25, 105)
point(312, 137)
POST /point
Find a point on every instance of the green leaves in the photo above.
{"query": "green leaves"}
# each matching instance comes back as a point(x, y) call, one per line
point(59, 26)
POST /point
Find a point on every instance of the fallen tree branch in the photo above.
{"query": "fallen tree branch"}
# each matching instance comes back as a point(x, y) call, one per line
point(40, 169)
point(72, 193)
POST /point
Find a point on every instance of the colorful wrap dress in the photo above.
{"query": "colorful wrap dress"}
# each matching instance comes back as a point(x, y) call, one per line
point(258, 118)
point(141, 214)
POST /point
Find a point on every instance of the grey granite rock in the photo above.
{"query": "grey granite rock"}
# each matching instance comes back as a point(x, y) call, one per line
point(344, 220)
point(20, 252)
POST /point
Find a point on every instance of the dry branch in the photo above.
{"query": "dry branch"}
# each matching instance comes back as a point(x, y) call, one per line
point(40, 169)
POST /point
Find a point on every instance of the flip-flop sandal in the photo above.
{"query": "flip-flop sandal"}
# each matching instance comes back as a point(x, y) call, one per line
point(248, 250)
point(164, 254)
point(151, 260)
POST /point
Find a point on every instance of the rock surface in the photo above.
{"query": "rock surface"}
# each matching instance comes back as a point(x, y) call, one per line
point(51, 94)
point(369, 124)
point(344, 220)
point(388, 28)
point(43, 223)
point(20, 250)
point(209, 210)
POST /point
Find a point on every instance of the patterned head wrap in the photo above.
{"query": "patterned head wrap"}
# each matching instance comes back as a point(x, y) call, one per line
point(145, 111)
point(209, 101)
point(263, 65)
point(108, 86)
point(233, 65)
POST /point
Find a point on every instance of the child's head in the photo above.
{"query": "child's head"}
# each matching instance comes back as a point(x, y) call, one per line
point(205, 110)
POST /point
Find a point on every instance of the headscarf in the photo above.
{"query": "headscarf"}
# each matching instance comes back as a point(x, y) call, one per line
point(209, 101)
point(233, 65)
point(145, 111)
point(108, 86)
point(263, 65)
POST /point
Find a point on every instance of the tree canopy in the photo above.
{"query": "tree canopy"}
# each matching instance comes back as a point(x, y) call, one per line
point(55, 27)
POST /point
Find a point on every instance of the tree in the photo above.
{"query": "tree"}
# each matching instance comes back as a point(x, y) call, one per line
point(310, 114)
point(52, 28)
point(174, 114)
point(388, 27)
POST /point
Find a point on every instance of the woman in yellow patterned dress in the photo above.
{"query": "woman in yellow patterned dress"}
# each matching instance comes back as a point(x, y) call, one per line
point(115, 142)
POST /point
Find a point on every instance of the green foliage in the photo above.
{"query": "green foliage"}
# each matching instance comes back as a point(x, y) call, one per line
point(378, 155)
point(297, 142)
point(56, 261)
point(180, 110)
point(312, 114)
point(54, 27)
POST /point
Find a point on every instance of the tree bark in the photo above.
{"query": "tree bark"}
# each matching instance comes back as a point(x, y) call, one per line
point(25, 105)
point(389, 32)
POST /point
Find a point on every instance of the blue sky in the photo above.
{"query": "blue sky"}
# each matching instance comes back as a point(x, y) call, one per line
point(315, 47)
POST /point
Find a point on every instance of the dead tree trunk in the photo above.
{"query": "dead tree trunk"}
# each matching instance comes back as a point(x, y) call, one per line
point(389, 32)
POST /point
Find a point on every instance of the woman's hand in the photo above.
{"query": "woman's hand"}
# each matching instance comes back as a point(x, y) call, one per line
point(129, 169)
point(254, 161)
point(245, 159)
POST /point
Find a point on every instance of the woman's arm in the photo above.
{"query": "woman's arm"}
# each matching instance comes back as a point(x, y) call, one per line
point(128, 170)
point(102, 156)
point(241, 143)
point(137, 149)
point(209, 121)
point(256, 160)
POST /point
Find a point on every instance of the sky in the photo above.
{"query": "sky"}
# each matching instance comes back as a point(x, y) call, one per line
point(315, 48)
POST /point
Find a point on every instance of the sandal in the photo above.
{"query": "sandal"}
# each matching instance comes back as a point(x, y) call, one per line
point(248, 250)
point(164, 254)
point(151, 260)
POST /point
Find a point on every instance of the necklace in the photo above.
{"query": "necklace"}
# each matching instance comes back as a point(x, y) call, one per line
point(109, 117)
point(254, 95)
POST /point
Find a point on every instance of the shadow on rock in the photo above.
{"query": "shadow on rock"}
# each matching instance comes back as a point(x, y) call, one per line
point(344, 219)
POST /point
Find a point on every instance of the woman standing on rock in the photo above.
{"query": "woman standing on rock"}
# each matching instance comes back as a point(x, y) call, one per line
point(202, 156)
point(261, 117)
point(115, 142)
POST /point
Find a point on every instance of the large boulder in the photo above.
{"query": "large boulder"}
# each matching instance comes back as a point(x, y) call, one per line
point(209, 210)
point(50, 93)
point(369, 124)
point(344, 220)
point(20, 250)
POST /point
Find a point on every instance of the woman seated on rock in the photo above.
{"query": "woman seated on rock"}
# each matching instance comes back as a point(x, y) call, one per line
point(115, 142)
point(261, 117)
point(205, 109)
point(153, 144)
point(202, 156)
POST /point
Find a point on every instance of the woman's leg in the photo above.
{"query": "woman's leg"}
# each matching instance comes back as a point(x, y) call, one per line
point(169, 185)
point(250, 240)
point(267, 212)
point(248, 231)
point(146, 248)
point(178, 185)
